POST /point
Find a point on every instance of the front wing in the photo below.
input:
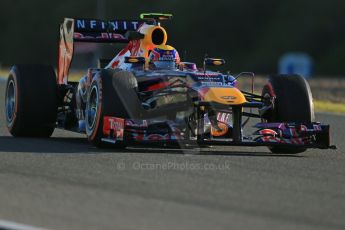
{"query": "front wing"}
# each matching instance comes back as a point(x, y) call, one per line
point(306, 135)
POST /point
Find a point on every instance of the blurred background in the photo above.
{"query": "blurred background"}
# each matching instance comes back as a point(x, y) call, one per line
point(251, 35)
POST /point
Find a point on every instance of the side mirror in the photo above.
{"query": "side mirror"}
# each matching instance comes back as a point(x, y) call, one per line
point(214, 61)
point(135, 60)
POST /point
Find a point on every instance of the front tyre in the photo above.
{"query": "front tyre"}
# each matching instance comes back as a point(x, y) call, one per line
point(111, 93)
point(292, 101)
point(94, 113)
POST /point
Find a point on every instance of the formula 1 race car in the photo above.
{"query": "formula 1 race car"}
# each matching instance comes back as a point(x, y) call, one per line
point(146, 95)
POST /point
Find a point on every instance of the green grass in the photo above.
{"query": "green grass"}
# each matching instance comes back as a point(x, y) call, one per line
point(320, 105)
point(74, 76)
point(4, 72)
point(330, 107)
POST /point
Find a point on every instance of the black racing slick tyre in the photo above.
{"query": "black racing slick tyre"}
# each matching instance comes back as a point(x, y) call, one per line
point(292, 102)
point(31, 101)
point(111, 93)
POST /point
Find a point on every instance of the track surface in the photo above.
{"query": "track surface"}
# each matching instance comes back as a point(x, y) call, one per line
point(64, 183)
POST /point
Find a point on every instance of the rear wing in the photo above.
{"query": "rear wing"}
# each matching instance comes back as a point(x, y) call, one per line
point(90, 30)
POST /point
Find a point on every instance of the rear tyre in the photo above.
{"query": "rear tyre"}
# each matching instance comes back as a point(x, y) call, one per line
point(31, 101)
point(292, 101)
point(112, 93)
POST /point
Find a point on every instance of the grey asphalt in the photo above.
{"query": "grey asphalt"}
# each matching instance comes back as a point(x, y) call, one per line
point(64, 183)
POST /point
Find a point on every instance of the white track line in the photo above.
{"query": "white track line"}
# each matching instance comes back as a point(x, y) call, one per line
point(8, 225)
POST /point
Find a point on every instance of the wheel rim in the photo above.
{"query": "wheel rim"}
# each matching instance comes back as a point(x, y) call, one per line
point(92, 107)
point(10, 102)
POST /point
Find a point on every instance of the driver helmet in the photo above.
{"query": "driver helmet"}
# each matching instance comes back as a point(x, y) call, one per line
point(164, 57)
